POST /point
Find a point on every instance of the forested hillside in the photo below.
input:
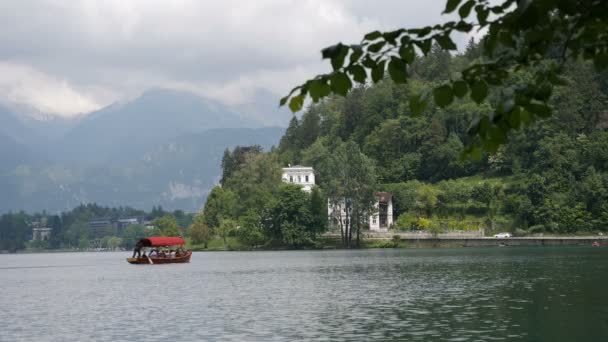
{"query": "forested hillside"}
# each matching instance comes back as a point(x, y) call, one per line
point(550, 175)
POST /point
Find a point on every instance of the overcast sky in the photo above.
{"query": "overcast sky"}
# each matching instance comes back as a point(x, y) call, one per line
point(68, 57)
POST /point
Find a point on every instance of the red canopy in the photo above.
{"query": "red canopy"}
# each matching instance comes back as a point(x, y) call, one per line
point(157, 241)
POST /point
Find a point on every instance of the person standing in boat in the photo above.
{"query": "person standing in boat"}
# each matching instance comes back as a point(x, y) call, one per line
point(137, 249)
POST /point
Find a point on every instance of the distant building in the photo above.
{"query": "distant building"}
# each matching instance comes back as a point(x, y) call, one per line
point(121, 224)
point(300, 175)
point(379, 221)
point(101, 226)
point(41, 233)
point(382, 218)
point(98, 226)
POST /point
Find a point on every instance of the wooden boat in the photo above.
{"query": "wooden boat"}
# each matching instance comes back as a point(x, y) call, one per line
point(161, 242)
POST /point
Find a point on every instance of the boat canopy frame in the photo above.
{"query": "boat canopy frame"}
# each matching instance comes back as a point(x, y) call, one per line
point(162, 241)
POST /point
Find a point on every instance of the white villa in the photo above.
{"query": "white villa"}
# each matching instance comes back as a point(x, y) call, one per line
point(382, 218)
point(379, 221)
point(301, 175)
point(41, 233)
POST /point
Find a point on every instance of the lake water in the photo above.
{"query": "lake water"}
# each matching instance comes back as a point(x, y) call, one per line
point(485, 294)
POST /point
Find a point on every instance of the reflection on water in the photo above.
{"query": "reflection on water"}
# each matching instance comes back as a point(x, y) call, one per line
point(508, 294)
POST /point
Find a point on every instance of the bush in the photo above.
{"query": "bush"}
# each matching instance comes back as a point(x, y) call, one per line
point(536, 229)
point(382, 244)
point(519, 232)
point(406, 221)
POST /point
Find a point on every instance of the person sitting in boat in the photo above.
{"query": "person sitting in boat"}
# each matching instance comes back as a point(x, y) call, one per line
point(137, 249)
point(162, 254)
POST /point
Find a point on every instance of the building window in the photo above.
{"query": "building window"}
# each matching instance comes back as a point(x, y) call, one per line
point(290, 179)
point(374, 220)
point(306, 179)
point(299, 179)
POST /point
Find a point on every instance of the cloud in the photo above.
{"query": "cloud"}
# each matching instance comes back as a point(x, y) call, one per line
point(21, 84)
point(81, 55)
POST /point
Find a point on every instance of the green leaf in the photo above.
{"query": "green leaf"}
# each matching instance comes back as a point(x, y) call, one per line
point(357, 52)
point(296, 103)
point(418, 103)
point(378, 72)
point(318, 89)
point(539, 109)
point(283, 101)
point(443, 95)
point(451, 5)
point(373, 35)
point(421, 32)
point(482, 14)
point(515, 118)
point(479, 91)
point(445, 42)
point(407, 53)
point(465, 9)
point(424, 45)
point(460, 88)
point(376, 47)
point(340, 83)
point(463, 26)
point(397, 69)
point(330, 51)
point(368, 62)
point(338, 59)
point(358, 73)
point(392, 36)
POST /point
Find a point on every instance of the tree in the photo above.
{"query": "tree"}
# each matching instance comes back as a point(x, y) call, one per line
point(199, 231)
point(351, 189)
point(56, 231)
point(255, 182)
point(131, 234)
point(426, 199)
point(318, 212)
point(291, 221)
point(13, 231)
point(226, 227)
point(251, 230)
point(221, 203)
point(113, 242)
point(167, 225)
point(538, 37)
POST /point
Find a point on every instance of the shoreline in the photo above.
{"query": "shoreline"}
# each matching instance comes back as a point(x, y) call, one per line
point(401, 243)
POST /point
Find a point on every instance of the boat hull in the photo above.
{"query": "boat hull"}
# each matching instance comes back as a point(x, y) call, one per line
point(157, 261)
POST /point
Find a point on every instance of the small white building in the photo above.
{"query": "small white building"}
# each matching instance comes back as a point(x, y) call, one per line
point(300, 175)
point(379, 221)
point(382, 218)
point(41, 233)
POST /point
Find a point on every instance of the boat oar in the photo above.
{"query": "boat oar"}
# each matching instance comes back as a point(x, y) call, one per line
point(150, 260)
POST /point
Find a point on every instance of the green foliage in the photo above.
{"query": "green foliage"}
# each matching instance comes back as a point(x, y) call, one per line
point(13, 231)
point(251, 230)
point(226, 227)
point(199, 232)
point(537, 37)
point(291, 219)
point(221, 203)
point(168, 226)
point(131, 234)
point(406, 221)
point(318, 212)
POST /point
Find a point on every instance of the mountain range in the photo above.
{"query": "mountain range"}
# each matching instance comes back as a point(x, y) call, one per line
point(161, 148)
